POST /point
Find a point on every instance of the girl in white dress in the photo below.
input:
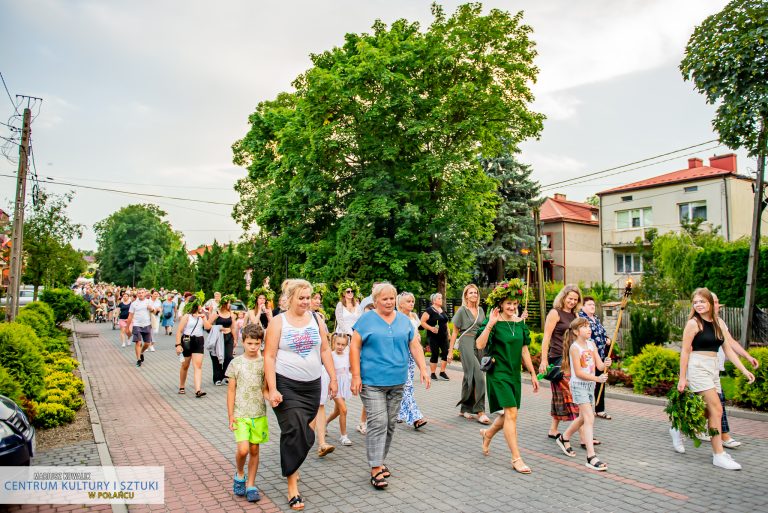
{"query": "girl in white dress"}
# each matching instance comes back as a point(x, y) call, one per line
point(340, 346)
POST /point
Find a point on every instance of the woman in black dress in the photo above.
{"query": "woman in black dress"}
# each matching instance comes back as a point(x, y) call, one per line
point(435, 321)
point(222, 317)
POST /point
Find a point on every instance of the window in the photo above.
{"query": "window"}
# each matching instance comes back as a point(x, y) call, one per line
point(635, 218)
point(626, 198)
point(546, 241)
point(693, 210)
point(692, 188)
point(629, 263)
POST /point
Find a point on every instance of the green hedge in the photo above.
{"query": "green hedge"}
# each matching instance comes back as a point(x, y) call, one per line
point(724, 271)
point(756, 394)
point(41, 308)
point(655, 370)
point(9, 386)
point(20, 354)
point(66, 304)
point(69, 397)
point(37, 321)
point(51, 415)
point(647, 327)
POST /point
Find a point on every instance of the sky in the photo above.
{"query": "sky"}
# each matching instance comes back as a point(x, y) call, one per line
point(148, 96)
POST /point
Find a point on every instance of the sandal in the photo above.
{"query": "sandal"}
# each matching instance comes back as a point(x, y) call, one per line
point(486, 450)
point(594, 442)
point(525, 468)
point(466, 415)
point(553, 437)
point(182, 391)
point(199, 394)
point(386, 471)
point(595, 464)
point(603, 415)
point(483, 419)
point(379, 482)
point(296, 503)
point(325, 449)
point(419, 423)
point(567, 450)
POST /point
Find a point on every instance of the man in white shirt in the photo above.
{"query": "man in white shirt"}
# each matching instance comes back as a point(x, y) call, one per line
point(139, 324)
point(157, 307)
point(212, 305)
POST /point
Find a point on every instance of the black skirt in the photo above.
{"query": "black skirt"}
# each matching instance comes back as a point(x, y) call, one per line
point(298, 409)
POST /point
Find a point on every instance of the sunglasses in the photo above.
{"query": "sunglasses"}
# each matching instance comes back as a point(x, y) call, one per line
point(348, 291)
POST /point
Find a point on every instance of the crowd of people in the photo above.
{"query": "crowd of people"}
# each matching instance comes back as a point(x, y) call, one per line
point(294, 363)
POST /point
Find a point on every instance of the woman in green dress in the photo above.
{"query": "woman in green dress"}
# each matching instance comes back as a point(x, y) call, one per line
point(506, 337)
point(466, 320)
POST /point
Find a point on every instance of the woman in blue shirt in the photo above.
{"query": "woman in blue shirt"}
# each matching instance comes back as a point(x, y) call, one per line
point(382, 341)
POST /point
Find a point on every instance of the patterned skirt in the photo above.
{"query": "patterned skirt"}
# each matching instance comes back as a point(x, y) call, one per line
point(563, 407)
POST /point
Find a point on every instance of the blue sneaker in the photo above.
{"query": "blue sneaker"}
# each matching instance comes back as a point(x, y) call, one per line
point(239, 485)
point(252, 494)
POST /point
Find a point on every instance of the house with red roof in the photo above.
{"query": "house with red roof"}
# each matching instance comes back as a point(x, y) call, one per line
point(570, 240)
point(716, 194)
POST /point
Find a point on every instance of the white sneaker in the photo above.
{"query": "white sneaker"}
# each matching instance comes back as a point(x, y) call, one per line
point(344, 440)
point(123, 344)
point(731, 443)
point(677, 440)
point(152, 348)
point(704, 437)
point(723, 460)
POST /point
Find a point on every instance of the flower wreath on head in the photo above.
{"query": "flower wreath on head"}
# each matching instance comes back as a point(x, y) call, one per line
point(348, 284)
point(198, 298)
point(265, 291)
point(320, 288)
point(512, 289)
point(229, 298)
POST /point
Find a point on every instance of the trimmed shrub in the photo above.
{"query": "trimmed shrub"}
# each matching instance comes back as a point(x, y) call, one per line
point(654, 369)
point(756, 394)
point(725, 271)
point(66, 304)
point(648, 327)
point(9, 387)
point(68, 397)
point(22, 358)
point(41, 308)
point(63, 364)
point(61, 380)
point(37, 321)
point(55, 344)
point(51, 415)
point(620, 378)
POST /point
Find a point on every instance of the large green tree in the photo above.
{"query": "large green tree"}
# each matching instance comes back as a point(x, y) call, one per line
point(232, 272)
point(178, 271)
point(130, 238)
point(370, 168)
point(207, 269)
point(513, 227)
point(727, 60)
point(49, 258)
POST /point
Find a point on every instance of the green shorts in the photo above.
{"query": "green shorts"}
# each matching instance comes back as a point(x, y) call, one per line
point(255, 430)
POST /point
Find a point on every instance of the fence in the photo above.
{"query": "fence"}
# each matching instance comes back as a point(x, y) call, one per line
point(733, 318)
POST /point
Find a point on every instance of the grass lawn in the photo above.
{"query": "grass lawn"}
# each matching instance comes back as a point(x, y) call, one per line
point(729, 386)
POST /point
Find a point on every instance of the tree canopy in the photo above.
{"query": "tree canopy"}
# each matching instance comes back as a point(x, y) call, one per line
point(130, 238)
point(727, 60)
point(370, 168)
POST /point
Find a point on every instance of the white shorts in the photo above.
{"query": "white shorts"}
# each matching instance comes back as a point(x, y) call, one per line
point(703, 373)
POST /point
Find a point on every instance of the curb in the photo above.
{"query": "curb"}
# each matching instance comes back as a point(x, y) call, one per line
point(98, 433)
point(657, 401)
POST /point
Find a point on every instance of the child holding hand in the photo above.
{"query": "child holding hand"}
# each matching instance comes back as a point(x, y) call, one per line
point(344, 378)
point(247, 410)
point(580, 353)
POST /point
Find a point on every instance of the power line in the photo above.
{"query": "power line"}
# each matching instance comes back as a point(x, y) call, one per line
point(15, 107)
point(555, 184)
point(145, 194)
point(207, 188)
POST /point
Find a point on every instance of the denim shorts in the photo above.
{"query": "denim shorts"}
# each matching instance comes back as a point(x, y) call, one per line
point(583, 395)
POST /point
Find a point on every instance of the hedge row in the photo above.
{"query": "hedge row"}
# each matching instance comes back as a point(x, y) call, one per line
point(36, 369)
point(725, 270)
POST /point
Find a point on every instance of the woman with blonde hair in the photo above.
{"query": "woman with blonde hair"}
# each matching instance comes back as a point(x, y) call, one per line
point(466, 320)
point(382, 340)
point(294, 355)
point(409, 410)
point(703, 335)
point(564, 309)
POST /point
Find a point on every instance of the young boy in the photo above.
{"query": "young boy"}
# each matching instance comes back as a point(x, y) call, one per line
point(247, 409)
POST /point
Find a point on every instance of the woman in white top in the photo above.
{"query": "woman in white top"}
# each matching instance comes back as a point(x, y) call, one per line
point(409, 410)
point(347, 309)
point(293, 357)
point(191, 325)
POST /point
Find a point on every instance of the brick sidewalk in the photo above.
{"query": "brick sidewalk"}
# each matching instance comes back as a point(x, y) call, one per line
point(440, 467)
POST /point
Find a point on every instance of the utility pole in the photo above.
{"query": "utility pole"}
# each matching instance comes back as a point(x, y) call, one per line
point(540, 267)
point(754, 246)
point(18, 220)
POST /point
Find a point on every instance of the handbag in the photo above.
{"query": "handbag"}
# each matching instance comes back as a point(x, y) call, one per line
point(488, 362)
point(555, 374)
point(186, 340)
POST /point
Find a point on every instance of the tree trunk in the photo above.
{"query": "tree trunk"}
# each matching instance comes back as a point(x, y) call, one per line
point(441, 283)
point(499, 269)
point(34, 293)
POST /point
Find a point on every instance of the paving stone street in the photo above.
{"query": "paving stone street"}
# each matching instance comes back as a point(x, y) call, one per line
point(439, 468)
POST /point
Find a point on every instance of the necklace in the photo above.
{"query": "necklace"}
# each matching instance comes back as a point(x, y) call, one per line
point(514, 325)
